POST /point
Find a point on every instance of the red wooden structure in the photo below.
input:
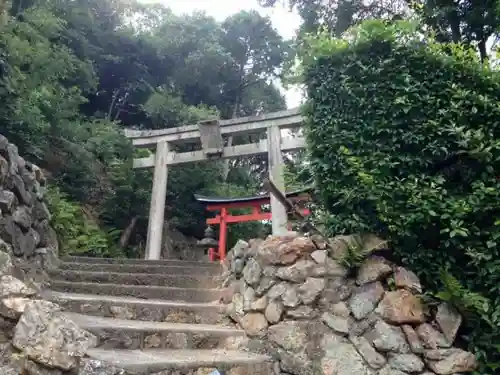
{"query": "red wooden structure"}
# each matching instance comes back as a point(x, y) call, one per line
point(223, 217)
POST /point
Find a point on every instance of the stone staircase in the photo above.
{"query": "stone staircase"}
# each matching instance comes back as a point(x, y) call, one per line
point(153, 316)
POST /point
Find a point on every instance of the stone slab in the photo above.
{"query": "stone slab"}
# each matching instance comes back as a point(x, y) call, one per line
point(151, 361)
point(140, 291)
point(161, 262)
point(179, 281)
point(142, 268)
point(132, 334)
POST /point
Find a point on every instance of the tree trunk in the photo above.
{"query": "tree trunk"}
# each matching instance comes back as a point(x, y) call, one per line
point(482, 50)
point(127, 233)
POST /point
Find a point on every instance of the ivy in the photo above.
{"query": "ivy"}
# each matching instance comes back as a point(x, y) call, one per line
point(404, 137)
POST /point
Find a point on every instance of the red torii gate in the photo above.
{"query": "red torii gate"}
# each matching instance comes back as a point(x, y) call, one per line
point(224, 217)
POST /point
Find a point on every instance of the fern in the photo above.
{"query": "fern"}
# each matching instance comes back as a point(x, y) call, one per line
point(462, 298)
point(77, 233)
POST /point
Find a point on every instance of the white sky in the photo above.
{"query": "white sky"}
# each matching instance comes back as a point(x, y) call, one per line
point(284, 21)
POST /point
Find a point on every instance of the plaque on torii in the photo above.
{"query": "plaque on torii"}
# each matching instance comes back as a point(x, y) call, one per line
point(210, 134)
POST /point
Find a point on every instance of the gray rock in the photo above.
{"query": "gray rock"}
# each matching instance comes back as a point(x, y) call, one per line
point(7, 201)
point(269, 271)
point(289, 335)
point(319, 256)
point(277, 290)
point(373, 269)
point(48, 236)
point(6, 266)
point(387, 338)
point(13, 307)
point(338, 324)
point(10, 286)
point(311, 289)
point(252, 272)
point(438, 354)
point(5, 248)
point(259, 304)
point(291, 297)
point(366, 299)
point(297, 272)
point(254, 324)
point(456, 361)
point(374, 359)
point(9, 231)
point(341, 358)
point(301, 312)
point(341, 289)
point(13, 157)
point(28, 243)
point(431, 338)
point(296, 363)
point(237, 266)
point(20, 191)
point(31, 367)
point(49, 338)
point(4, 169)
point(412, 338)
point(449, 320)
point(331, 268)
point(240, 249)
point(360, 327)
point(387, 370)
point(283, 250)
point(235, 309)
point(266, 282)
point(406, 362)
point(274, 312)
point(340, 309)
point(248, 298)
point(95, 367)
point(406, 279)
point(23, 217)
point(401, 307)
point(40, 211)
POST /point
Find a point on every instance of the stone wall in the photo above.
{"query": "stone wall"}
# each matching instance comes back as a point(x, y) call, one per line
point(297, 302)
point(25, 230)
point(35, 337)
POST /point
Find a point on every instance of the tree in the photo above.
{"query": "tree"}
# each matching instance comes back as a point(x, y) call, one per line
point(470, 22)
point(339, 15)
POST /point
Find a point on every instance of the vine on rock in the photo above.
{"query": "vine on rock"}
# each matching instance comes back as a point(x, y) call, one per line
point(404, 137)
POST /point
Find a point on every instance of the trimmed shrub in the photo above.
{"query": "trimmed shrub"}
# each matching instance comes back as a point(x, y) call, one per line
point(404, 140)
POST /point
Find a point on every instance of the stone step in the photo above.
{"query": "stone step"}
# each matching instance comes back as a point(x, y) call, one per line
point(140, 291)
point(137, 308)
point(142, 268)
point(179, 281)
point(133, 334)
point(161, 262)
point(182, 361)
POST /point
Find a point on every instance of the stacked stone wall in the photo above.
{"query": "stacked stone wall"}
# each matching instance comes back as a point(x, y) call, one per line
point(25, 230)
point(305, 304)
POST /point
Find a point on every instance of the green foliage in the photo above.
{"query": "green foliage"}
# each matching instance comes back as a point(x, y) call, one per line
point(404, 137)
point(74, 74)
point(77, 233)
point(355, 253)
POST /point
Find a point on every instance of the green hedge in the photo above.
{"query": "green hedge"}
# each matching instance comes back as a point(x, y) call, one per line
point(404, 138)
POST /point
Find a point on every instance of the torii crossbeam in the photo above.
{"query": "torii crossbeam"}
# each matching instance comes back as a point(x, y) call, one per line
point(210, 134)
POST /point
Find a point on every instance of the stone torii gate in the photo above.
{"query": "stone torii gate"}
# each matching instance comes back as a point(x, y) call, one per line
point(211, 134)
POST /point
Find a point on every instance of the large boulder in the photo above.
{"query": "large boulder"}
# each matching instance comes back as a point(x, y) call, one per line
point(47, 337)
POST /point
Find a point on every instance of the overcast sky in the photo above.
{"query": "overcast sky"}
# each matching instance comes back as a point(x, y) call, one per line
point(284, 21)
